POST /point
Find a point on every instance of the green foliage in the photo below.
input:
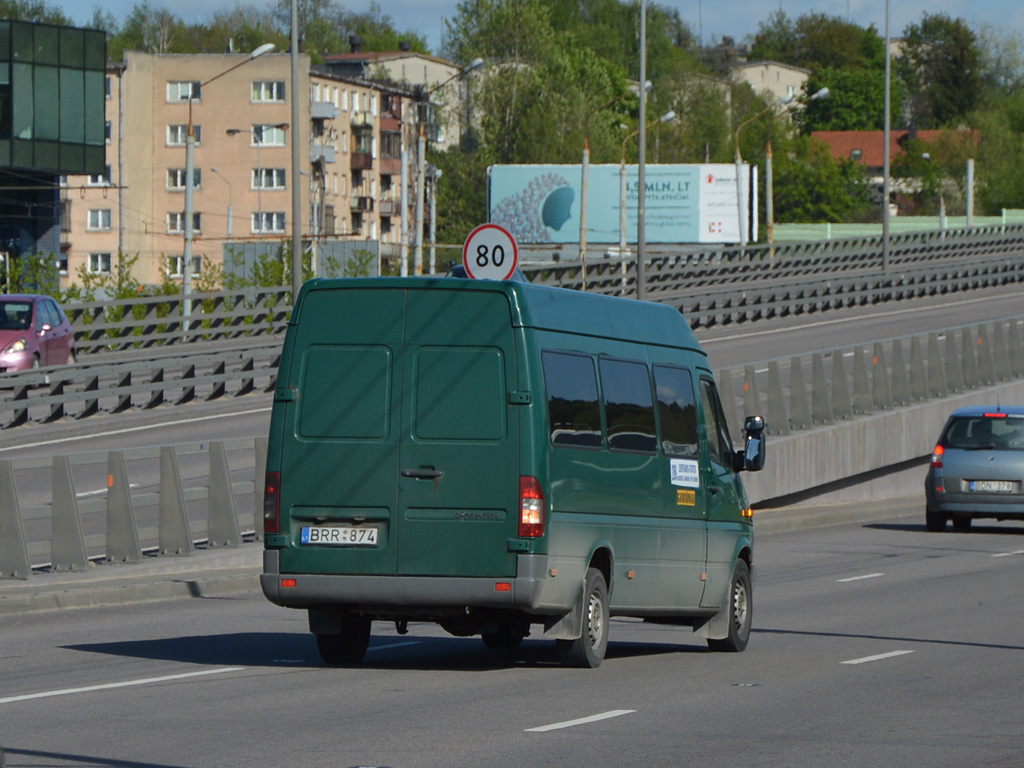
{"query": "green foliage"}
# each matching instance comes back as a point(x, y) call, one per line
point(856, 100)
point(30, 273)
point(941, 66)
point(36, 11)
point(818, 41)
point(811, 186)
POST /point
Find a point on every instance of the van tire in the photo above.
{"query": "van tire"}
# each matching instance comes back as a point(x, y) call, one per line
point(348, 647)
point(588, 650)
point(935, 522)
point(505, 636)
point(741, 610)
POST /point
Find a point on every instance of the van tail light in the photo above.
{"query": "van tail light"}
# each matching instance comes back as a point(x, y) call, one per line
point(937, 457)
point(272, 503)
point(531, 508)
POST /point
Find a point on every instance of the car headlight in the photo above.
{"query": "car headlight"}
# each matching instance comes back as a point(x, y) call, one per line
point(19, 346)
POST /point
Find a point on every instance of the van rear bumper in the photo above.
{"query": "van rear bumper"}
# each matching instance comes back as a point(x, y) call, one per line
point(412, 593)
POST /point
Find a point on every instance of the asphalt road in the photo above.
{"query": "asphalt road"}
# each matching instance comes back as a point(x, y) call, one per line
point(875, 644)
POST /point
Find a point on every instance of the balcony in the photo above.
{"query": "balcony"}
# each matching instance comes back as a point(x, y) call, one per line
point(362, 204)
point(361, 161)
point(323, 110)
point(362, 118)
point(390, 207)
point(323, 152)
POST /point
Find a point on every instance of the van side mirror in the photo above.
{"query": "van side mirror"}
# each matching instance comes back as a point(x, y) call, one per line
point(754, 445)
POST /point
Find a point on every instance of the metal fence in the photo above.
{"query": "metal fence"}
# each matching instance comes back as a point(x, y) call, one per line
point(141, 508)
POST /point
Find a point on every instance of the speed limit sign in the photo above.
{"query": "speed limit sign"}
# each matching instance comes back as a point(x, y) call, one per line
point(490, 253)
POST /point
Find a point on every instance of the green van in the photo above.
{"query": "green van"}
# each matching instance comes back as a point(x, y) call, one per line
point(493, 456)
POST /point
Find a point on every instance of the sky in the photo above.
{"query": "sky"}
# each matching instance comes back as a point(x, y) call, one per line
point(711, 19)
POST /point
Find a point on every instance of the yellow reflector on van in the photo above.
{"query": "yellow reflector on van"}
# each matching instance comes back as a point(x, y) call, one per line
point(748, 512)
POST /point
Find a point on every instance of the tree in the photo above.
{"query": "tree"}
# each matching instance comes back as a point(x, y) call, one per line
point(856, 100)
point(36, 11)
point(941, 65)
point(810, 186)
point(378, 32)
point(818, 41)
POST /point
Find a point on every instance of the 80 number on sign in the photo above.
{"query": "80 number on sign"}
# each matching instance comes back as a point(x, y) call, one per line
point(490, 253)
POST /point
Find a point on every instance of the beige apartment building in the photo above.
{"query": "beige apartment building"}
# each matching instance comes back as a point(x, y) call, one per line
point(351, 135)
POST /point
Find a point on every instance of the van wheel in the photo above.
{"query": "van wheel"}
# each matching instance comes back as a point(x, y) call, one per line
point(588, 649)
point(741, 609)
point(505, 636)
point(350, 646)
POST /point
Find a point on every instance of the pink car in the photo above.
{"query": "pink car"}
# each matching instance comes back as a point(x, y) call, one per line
point(34, 331)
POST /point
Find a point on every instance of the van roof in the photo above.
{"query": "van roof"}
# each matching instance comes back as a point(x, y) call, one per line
point(554, 309)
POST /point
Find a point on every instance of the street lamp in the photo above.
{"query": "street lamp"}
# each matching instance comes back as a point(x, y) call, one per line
point(231, 199)
point(584, 177)
point(769, 205)
point(258, 137)
point(190, 163)
point(421, 152)
point(667, 117)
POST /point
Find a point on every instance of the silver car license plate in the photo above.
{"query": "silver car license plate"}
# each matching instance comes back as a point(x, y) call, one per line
point(991, 486)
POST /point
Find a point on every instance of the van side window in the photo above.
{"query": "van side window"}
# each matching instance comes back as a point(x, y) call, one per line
point(573, 410)
point(677, 411)
point(719, 442)
point(628, 405)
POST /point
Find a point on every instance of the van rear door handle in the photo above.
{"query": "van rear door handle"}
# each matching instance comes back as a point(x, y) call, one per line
point(423, 474)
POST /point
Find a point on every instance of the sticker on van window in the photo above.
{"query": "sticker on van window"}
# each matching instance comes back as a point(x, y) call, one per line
point(686, 498)
point(685, 472)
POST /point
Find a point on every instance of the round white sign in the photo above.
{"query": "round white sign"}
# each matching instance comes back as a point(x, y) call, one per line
point(490, 253)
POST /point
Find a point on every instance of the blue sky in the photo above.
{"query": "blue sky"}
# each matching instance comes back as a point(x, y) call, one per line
point(714, 18)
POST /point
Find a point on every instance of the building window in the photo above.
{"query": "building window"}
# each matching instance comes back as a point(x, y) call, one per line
point(175, 264)
point(176, 222)
point(99, 263)
point(106, 131)
point(176, 178)
point(106, 87)
point(62, 264)
point(100, 179)
point(268, 135)
point(180, 91)
point(176, 133)
point(268, 221)
point(268, 178)
point(99, 220)
point(268, 91)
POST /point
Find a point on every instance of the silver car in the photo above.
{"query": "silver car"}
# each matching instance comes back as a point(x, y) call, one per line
point(977, 468)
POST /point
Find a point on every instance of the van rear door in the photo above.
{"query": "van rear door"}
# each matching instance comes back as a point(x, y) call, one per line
point(459, 477)
point(402, 423)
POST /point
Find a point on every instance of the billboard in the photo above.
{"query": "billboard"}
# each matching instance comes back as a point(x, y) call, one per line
point(684, 203)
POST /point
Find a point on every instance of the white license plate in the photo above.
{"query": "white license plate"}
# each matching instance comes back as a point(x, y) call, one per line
point(340, 535)
point(992, 486)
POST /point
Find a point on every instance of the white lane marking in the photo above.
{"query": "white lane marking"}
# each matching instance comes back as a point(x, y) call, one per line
point(394, 645)
point(135, 429)
point(879, 657)
point(859, 578)
point(1010, 554)
point(581, 721)
point(125, 684)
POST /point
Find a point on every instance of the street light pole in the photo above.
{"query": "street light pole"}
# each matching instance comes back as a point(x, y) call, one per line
point(585, 178)
point(641, 209)
point(190, 162)
point(231, 200)
point(421, 152)
point(666, 118)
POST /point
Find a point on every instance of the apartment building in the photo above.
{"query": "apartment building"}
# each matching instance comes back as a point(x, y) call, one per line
point(351, 133)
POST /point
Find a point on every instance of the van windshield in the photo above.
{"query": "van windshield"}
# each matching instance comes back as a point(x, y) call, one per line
point(985, 431)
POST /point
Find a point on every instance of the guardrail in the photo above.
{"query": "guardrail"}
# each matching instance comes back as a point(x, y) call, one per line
point(123, 521)
point(169, 378)
point(720, 285)
point(710, 284)
point(153, 321)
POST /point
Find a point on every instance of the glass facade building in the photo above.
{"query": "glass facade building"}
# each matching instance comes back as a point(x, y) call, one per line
point(52, 82)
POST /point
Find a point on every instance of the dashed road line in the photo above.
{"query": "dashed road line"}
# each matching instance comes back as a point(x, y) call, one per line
point(124, 684)
point(580, 721)
point(859, 578)
point(879, 657)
